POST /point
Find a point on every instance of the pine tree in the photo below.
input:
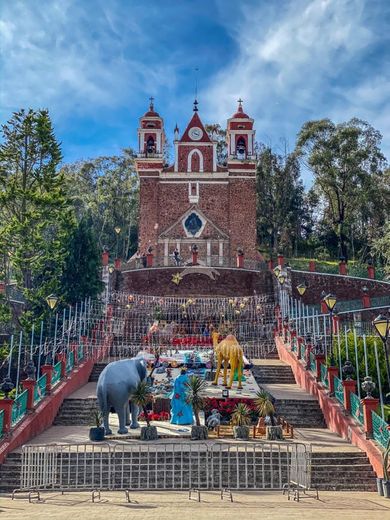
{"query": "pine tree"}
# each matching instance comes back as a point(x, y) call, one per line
point(81, 275)
point(35, 213)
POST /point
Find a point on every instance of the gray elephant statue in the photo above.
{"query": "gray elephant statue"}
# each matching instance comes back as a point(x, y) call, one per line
point(115, 385)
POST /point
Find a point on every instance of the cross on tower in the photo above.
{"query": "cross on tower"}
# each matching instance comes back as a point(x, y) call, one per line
point(239, 101)
point(151, 106)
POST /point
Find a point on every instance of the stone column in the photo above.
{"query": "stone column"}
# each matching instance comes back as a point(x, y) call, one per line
point(281, 260)
point(149, 260)
point(29, 385)
point(48, 370)
point(312, 266)
point(349, 387)
point(332, 373)
point(370, 404)
point(320, 359)
point(371, 271)
point(343, 267)
point(62, 357)
point(6, 405)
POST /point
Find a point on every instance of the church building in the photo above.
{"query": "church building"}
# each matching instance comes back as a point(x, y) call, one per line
point(196, 201)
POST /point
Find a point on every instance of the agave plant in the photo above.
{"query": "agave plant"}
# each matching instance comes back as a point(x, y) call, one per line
point(265, 406)
point(98, 418)
point(241, 415)
point(195, 387)
point(142, 396)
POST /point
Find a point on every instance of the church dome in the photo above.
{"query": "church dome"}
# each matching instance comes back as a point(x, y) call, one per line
point(240, 112)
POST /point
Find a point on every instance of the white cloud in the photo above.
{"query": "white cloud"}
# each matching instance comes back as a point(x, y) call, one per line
point(66, 57)
point(291, 61)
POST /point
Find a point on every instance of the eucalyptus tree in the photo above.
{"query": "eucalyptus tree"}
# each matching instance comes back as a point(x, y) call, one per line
point(347, 164)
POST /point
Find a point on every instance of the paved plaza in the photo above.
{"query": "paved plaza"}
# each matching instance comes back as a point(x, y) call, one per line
point(168, 505)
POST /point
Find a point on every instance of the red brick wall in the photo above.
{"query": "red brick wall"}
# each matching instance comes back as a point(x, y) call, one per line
point(231, 282)
point(242, 206)
point(207, 152)
point(344, 287)
point(148, 216)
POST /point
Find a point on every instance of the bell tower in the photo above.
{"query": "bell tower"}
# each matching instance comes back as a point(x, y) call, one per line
point(240, 136)
point(149, 164)
point(151, 137)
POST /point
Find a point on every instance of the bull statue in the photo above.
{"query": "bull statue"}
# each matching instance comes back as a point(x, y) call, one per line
point(115, 385)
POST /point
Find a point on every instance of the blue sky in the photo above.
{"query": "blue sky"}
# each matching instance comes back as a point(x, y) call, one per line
point(94, 64)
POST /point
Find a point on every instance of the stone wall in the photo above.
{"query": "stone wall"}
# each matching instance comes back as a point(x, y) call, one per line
point(230, 282)
point(344, 287)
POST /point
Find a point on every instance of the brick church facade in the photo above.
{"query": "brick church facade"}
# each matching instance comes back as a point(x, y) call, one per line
point(196, 201)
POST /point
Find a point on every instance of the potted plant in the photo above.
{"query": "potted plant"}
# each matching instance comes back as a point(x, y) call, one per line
point(142, 396)
point(195, 387)
point(241, 420)
point(266, 409)
point(96, 433)
point(386, 463)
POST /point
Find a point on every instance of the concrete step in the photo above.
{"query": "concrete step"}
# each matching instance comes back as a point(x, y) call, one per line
point(338, 471)
point(76, 412)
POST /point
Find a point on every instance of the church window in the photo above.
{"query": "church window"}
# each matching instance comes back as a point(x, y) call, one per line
point(193, 224)
point(195, 161)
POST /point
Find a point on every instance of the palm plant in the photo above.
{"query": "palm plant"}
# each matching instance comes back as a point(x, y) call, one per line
point(142, 396)
point(195, 387)
point(241, 415)
point(265, 406)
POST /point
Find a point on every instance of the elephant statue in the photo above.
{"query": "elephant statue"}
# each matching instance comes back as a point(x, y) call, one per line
point(115, 385)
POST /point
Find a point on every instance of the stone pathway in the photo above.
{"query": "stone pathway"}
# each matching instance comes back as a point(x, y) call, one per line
point(168, 505)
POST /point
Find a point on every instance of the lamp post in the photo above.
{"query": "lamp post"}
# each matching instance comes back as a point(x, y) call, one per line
point(301, 288)
point(282, 276)
point(117, 230)
point(382, 327)
point(52, 301)
point(330, 301)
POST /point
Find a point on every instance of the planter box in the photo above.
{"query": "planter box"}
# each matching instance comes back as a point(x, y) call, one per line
point(96, 434)
point(199, 433)
point(241, 432)
point(148, 433)
point(274, 433)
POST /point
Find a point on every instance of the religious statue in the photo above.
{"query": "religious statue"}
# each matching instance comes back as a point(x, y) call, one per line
point(181, 411)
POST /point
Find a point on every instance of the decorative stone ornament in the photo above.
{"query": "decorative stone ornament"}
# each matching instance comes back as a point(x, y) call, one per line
point(368, 386)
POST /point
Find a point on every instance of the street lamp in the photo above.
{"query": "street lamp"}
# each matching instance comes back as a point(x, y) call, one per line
point(52, 301)
point(330, 301)
point(301, 288)
point(282, 277)
point(277, 270)
point(111, 269)
point(382, 327)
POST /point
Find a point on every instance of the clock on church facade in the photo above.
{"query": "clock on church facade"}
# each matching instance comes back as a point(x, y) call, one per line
point(196, 201)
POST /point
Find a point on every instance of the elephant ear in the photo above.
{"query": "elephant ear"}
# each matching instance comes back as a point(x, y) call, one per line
point(141, 368)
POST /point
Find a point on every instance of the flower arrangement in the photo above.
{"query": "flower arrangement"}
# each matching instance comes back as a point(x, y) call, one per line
point(226, 407)
point(156, 416)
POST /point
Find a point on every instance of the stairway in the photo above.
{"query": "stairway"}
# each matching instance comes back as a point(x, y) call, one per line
point(342, 471)
point(299, 408)
point(268, 374)
point(300, 413)
point(76, 412)
point(10, 472)
point(331, 471)
point(96, 371)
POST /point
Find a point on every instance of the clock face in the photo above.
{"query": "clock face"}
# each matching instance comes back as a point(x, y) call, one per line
point(195, 133)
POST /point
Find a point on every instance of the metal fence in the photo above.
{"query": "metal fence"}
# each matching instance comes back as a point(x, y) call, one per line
point(168, 466)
